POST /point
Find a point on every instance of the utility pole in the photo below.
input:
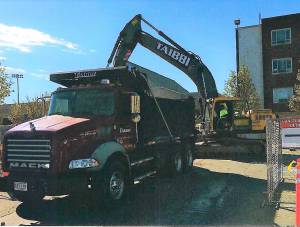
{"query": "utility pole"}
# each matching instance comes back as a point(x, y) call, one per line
point(17, 76)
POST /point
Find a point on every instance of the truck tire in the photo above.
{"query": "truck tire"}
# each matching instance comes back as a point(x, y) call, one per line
point(176, 163)
point(188, 158)
point(114, 182)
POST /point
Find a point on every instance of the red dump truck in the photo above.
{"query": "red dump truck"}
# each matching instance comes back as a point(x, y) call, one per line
point(106, 129)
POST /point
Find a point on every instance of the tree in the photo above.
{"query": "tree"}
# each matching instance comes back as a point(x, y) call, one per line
point(32, 109)
point(5, 85)
point(294, 102)
point(240, 85)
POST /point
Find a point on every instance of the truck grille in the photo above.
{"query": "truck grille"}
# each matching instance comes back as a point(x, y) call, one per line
point(28, 151)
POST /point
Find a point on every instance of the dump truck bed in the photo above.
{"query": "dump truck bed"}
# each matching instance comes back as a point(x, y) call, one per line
point(130, 75)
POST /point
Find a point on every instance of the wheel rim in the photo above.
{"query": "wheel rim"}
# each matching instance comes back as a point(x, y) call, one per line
point(189, 158)
point(116, 185)
point(178, 162)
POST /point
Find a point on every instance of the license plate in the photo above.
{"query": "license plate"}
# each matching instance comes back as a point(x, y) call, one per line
point(20, 186)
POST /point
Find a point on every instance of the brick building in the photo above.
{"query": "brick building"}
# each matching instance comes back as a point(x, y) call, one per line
point(271, 50)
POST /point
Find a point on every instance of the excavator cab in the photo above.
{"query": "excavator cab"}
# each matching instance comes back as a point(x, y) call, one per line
point(222, 113)
point(232, 122)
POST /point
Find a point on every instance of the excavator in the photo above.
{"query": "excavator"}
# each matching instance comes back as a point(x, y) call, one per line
point(210, 102)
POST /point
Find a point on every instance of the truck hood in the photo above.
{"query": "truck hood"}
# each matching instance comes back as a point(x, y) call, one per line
point(50, 123)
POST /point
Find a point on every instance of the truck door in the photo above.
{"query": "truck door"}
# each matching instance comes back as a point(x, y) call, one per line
point(126, 129)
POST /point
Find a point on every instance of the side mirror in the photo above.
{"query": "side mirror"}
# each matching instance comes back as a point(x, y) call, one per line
point(135, 104)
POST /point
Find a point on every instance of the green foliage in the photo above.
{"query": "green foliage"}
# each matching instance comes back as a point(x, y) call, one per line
point(294, 102)
point(241, 86)
point(32, 109)
point(5, 85)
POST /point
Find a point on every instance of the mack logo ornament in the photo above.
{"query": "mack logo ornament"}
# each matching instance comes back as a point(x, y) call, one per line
point(28, 165)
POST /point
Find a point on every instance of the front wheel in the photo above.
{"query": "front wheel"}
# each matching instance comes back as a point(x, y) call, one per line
point(114, 182)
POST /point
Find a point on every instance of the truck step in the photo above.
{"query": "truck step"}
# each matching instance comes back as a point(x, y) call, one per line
point(139, 178)
point(142, 161)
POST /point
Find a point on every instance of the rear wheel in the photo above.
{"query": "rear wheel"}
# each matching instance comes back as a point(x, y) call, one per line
point(188, 158)
point(177, 163)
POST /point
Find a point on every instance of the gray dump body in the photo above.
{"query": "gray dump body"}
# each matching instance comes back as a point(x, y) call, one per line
point(161, 86)
point(132, 74)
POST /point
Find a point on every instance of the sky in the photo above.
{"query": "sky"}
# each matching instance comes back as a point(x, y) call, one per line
point(41, 37)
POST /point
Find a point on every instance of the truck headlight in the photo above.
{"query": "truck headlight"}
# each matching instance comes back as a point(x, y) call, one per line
point(83, 163)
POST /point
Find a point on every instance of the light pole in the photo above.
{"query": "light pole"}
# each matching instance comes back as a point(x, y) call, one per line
point(237, 23)
point(17, 76)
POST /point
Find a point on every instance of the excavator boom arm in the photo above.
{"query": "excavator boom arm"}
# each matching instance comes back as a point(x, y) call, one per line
point(187, 62)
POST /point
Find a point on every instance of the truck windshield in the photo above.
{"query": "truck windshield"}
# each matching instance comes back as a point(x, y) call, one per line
point(82, 102)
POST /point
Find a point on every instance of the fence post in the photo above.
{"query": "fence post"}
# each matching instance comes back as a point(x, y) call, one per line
point(298, 194)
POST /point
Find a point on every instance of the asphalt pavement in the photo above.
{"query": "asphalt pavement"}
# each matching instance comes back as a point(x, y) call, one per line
point(196, 198)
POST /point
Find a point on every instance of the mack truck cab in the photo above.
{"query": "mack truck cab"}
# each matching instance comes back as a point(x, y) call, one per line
point(106, 129)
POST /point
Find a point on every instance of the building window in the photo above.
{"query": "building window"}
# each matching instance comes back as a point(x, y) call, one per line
point(281, 36)
point(281, 65)
point(282, 95)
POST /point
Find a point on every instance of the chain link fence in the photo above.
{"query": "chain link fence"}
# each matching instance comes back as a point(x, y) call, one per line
point(274, 159)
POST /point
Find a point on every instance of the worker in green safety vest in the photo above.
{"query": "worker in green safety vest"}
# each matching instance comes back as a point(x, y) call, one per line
point(223, 112)
point(223, 117)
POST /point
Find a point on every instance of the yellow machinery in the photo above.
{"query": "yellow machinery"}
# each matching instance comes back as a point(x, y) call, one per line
point(258, 118)
point(255, 121)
